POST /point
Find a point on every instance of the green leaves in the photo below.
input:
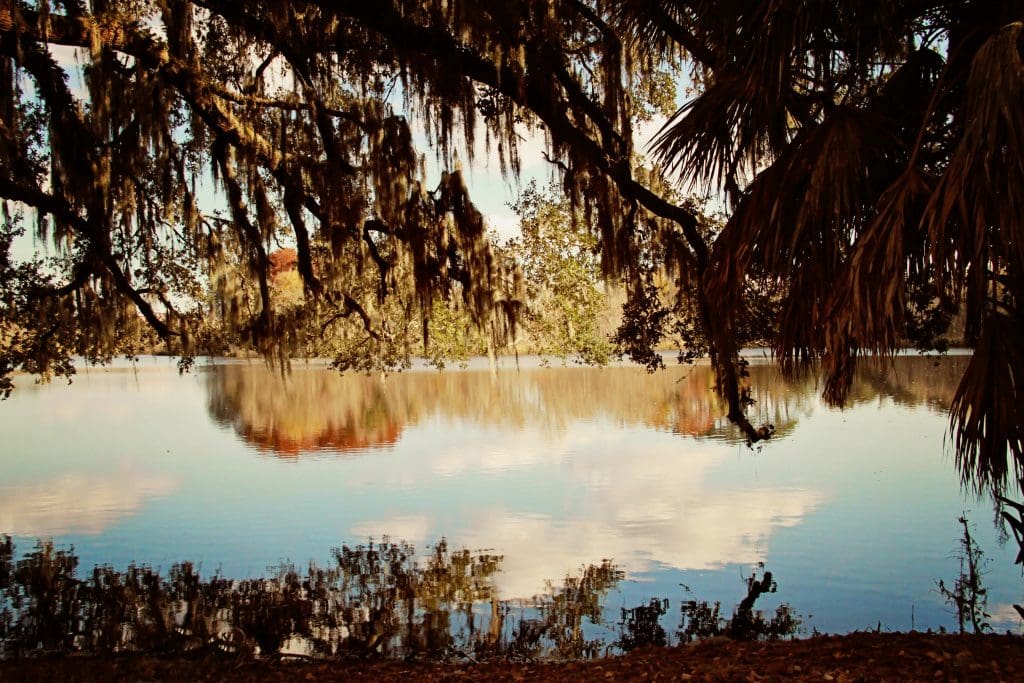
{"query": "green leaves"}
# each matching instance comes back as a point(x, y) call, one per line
point(558, 256)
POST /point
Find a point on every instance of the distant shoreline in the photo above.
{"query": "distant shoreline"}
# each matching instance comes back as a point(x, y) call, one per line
point(159, 361)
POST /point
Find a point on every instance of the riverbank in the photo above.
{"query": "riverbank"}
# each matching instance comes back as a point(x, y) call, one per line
point(853, 657)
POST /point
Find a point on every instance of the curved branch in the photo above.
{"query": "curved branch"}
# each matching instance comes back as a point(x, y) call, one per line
point(293, 202)
point(64, 212)
point(530, 90)
point(351, 306)
point(286, 105)
point(83, 270)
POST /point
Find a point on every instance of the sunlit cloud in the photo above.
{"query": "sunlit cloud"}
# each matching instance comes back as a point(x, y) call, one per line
point(720, 528)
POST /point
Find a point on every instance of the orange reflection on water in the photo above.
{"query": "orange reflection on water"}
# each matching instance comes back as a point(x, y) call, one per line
point(315, 409)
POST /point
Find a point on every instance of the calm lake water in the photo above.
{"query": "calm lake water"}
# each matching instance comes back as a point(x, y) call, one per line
point(237, 469)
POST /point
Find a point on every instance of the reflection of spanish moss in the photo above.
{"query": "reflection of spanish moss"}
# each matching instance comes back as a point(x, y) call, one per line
point(927, 381)
point(558, 628)
point(317, 409)
point(375, 600)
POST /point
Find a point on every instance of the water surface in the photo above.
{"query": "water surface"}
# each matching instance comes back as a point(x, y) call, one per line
point(236, 468)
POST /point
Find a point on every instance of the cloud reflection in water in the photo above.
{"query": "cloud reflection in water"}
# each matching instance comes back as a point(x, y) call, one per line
point(77, 503)
point(622, 484)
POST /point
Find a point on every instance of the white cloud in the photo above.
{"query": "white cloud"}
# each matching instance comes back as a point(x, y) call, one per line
point(401, 528)
point(708, 532)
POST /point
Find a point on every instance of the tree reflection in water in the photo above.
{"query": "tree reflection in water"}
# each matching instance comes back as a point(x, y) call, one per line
point(378, 599)
point(702, 620)
point(314, 409)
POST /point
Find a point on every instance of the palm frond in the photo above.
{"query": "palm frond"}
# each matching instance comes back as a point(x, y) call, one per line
point(987, 414)
point(728, 131)
point(798, 219)
point(976, 214)
point(659, 28)
point(744, 117)
point(866, 308)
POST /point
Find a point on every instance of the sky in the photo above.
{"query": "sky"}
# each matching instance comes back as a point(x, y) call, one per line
point(492, 193)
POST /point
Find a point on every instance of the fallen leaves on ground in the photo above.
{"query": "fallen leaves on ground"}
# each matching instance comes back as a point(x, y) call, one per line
point(843, 659)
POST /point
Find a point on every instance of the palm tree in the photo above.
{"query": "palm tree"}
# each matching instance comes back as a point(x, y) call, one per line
point(871, 152)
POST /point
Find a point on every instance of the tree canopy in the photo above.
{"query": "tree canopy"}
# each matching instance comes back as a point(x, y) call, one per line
point(869, 153)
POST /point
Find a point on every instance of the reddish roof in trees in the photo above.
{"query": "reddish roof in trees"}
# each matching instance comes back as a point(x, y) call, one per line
point(283, 260)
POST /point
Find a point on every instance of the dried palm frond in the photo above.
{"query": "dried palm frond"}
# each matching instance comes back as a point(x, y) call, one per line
point(987, 414)
point(975, 218)
point(660, 27)
point(976, 214)
point(866, 309)
point(745, 116)
point(763, 65)
point(798, 219)
point(732, 128)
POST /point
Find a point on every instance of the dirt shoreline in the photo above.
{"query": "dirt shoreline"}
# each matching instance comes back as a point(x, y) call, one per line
point(852, 657)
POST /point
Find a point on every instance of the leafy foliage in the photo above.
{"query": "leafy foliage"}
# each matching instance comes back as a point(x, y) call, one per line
point(557, 252)
point(968, 594)
point(644, 319)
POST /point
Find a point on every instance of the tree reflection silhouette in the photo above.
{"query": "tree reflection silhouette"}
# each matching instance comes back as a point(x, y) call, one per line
point(381, 599)
point(701, 619)
point(377, 599)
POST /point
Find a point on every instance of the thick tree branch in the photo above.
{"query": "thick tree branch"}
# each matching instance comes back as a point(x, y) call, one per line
point(531, 90)
point(249, 233)
point(350, 307)
point(293, 202)
point(63, 211)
